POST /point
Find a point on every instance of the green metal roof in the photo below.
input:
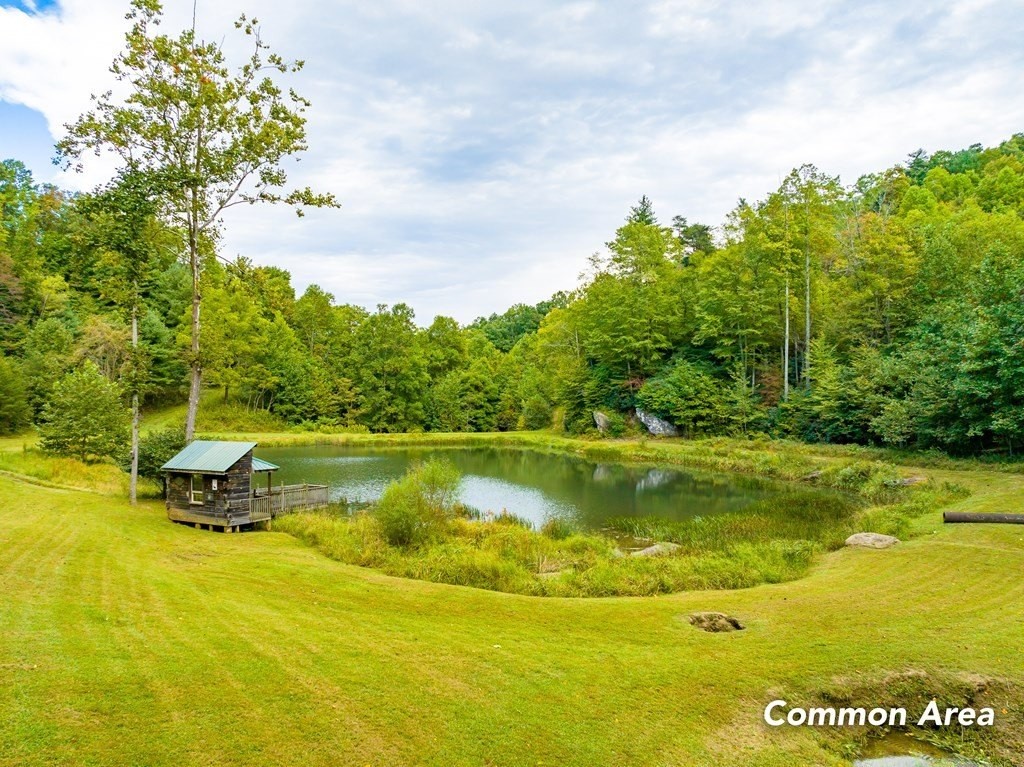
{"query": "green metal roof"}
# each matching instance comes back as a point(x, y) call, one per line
point(208, 457)
point(258, 464)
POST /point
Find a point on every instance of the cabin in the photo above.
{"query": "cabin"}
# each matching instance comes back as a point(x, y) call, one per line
point(217, 484)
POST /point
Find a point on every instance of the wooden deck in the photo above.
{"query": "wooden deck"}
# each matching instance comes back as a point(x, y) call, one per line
point(282, 500)
point(262, 507)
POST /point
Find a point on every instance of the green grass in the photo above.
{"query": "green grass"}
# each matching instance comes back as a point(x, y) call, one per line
point(104, 477)
point(129, 640)
point(214, 414)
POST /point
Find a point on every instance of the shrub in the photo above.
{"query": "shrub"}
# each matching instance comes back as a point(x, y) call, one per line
point(84, 416)
point(414, 509)
point(616, 425)
point(536, 413)
point(156, 449)
point(687, 394)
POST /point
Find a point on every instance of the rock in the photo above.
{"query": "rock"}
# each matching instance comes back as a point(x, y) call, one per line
point(716, 623)
point(657, 550)
point(872, 540)
point(659, 427)
point(812, 476)
point(601, 421)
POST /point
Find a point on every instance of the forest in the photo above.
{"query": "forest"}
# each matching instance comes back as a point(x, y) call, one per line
point(889, 312)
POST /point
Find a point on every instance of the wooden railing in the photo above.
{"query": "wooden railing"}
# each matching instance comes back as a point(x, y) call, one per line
point(282, 500)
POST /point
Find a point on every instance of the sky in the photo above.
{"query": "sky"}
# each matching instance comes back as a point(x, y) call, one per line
point(483, 151)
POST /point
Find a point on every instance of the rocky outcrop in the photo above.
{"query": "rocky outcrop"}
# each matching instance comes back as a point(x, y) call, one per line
point(601, 421)
point(716, 623)
point(659, 427)
point(871, 540)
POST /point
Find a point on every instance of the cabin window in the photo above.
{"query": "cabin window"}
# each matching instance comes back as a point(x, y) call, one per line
point(196, 489)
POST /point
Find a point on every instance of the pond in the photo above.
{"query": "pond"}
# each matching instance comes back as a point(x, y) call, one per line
point(897, 749)
point(532, 485)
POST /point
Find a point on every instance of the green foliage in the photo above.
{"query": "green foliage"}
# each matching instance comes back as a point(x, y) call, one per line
point(390, 370)
point(157, 448)
point(887, 313)
point(85, 417)
point(14, 409)
point(415, 509)
point(688, 395)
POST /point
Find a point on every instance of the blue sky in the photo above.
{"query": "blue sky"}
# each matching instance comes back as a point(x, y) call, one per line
point(483, 151)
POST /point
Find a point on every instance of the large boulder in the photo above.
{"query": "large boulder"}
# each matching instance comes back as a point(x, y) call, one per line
point(716, 623)
point(657, 550)
point(601, 421)
point(871, 540)
point(659, 427)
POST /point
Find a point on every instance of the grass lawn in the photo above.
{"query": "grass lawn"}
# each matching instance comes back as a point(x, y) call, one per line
point(127, 640)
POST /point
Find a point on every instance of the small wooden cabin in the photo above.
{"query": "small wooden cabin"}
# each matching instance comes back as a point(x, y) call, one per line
point(218, 484)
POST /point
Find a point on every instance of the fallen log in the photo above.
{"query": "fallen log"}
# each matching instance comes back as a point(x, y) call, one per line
point(982, 516)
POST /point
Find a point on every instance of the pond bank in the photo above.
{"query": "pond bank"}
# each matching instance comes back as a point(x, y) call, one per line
point(772, 540)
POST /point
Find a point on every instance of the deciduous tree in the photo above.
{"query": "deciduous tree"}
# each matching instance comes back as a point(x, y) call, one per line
point(216, 138)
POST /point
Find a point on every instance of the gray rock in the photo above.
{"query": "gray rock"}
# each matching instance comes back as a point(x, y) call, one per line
point(601, 421)
point(872, 540)
point(659, 427)
point(657, 550)
point(716, 623)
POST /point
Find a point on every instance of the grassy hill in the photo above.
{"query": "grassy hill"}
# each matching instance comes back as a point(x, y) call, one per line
point(129, 640)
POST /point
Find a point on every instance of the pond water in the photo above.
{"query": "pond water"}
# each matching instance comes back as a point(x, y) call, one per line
point(533, 485)
point(897, 749)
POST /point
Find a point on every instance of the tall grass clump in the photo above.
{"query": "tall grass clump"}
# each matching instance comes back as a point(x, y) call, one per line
point(416, 508)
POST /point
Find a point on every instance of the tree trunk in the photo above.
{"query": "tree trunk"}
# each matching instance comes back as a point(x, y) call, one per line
point(196, 383)
point(133, 485)
point(807, 298)
point(785, 350)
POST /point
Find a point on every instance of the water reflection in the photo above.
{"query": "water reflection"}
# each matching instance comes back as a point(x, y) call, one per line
point(533, 485)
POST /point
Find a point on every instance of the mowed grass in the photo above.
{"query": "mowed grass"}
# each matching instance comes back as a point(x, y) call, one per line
point(127, 640)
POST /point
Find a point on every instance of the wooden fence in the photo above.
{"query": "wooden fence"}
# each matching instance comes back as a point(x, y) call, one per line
point(285, 499)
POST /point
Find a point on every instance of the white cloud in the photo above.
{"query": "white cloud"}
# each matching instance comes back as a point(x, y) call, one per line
point(483, 151)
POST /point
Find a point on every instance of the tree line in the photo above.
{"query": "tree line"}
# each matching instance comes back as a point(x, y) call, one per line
point(889, 312)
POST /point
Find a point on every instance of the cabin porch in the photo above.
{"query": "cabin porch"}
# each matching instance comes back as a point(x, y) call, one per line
point(263, 505)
